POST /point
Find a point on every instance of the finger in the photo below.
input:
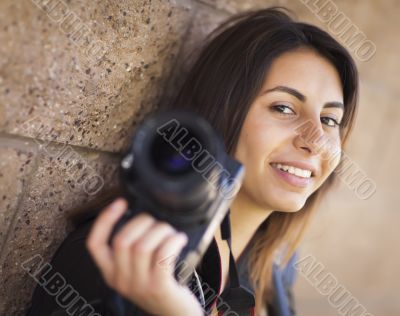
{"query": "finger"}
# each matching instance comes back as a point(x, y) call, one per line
point(145, 247)
point(167, 254)
point(124, 240)
point(97, 242)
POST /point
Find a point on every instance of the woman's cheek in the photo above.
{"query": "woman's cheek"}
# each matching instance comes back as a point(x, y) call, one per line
point(332, 153)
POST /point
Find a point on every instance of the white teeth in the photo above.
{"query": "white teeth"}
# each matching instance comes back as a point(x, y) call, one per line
point(293, 170)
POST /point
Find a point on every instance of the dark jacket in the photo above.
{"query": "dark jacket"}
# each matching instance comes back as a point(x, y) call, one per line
point(81, 290)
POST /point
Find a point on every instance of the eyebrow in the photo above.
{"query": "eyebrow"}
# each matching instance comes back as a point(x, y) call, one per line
point(297, 94)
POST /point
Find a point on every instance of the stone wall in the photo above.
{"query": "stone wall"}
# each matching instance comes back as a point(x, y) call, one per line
point(77, 76)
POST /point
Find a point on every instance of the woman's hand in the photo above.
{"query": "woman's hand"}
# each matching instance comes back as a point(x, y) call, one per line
point(132, 265)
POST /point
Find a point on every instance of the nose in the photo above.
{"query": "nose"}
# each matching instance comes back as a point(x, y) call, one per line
point(308, 137)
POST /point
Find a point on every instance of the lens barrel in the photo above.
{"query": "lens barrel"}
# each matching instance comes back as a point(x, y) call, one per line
point(176, 161)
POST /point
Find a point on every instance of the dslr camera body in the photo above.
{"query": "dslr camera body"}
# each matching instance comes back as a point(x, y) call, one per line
point(177, 170)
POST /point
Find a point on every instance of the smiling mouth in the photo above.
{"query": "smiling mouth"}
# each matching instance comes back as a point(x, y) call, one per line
point(298, 172)
point(292, 179)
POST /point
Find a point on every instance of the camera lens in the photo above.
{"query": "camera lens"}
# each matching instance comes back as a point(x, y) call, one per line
point(167, 159)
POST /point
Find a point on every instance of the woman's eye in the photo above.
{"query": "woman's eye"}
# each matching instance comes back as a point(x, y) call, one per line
point(330, 121)
point(286, 110)
point(283, 109)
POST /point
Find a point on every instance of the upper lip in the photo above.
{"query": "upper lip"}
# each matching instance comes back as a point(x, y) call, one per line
point(300, 164)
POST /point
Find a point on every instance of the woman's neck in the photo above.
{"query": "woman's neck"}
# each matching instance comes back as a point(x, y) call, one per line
point(246, 217)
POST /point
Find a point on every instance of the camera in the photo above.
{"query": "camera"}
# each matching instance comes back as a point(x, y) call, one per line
point(176, 169)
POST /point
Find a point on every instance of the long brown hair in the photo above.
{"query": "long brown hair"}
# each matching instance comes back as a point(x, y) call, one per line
point(222, 83)
point(223, 80)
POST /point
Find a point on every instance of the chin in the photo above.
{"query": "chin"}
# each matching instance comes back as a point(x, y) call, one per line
point(290, 206)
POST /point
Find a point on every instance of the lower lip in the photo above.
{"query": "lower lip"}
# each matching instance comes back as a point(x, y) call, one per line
point(292, 179)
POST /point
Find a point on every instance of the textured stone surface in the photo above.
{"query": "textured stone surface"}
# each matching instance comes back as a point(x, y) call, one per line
point(45, 73)
point(235, 6)
point(59, 185)
point(53, 87)
point(204, 20)
point(15, 168)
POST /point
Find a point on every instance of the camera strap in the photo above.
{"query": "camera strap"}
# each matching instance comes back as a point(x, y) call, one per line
point(235, 298)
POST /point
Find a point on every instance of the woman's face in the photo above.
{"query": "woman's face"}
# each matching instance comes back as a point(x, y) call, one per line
point(302, 93)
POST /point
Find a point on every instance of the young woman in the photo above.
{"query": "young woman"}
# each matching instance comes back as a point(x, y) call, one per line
point(259, 80)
